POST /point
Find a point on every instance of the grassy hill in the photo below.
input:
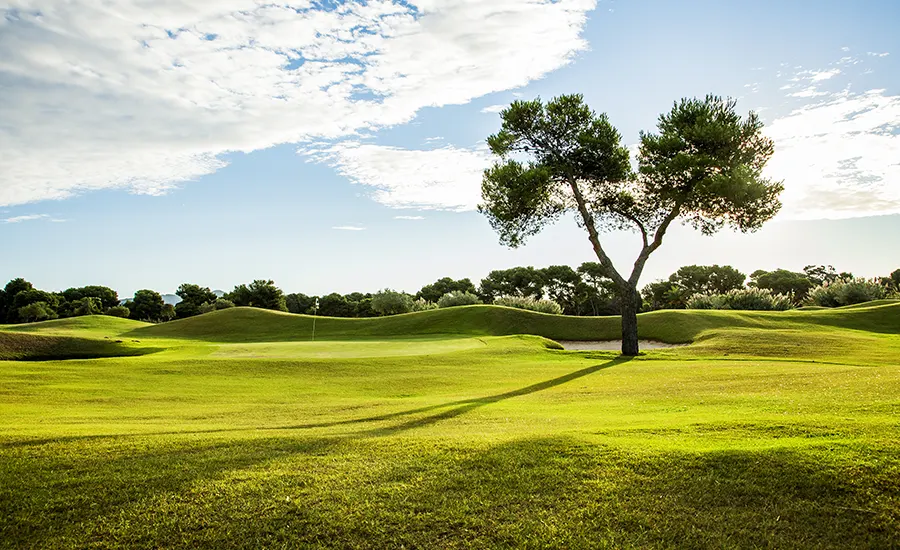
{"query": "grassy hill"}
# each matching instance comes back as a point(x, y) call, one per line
point(672, 326)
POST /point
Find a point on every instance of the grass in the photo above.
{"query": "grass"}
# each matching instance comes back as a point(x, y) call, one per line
point(441, 429)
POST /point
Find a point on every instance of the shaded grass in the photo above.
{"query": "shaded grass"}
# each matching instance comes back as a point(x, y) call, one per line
point(17, 346)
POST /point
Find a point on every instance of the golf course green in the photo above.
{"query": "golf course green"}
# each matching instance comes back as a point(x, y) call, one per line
point(465, 427)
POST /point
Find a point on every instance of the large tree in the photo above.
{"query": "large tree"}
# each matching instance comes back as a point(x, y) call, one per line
point(192, 297)
point(704, 167)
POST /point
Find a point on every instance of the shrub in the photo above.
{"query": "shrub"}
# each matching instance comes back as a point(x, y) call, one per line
point(391, 302)
point(847, 292)
point(422, 305)
point(743, 299)
point(458, 298)
point(206, 307)
point(529, 303)
point(37, 311)
point(88, 305)
point(118, 311)
point(222, 303)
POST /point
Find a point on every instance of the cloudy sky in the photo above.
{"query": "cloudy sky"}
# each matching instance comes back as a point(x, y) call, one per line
point(338, 146)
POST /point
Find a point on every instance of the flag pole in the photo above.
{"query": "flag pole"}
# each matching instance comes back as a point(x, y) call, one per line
point(315, 310)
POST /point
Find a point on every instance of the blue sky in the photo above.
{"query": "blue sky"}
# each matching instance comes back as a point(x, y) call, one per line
point(338, 146)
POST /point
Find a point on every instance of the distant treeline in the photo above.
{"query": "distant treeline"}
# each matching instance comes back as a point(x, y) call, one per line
point(554, 289)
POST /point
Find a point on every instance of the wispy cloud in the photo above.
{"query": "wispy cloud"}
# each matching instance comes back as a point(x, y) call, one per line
point(494, 108)
point(349, 228)
point(409, 217)
point(25, 218)
point(875, 54)
point(196, 80)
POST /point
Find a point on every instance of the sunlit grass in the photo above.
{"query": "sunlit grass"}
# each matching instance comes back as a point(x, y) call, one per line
point(770, 430)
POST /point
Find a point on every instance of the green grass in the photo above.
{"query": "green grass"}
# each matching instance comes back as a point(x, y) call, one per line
point(440, 429)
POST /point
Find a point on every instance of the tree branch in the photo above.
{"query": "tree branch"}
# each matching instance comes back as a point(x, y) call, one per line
point(657, 242)
point(593, 236)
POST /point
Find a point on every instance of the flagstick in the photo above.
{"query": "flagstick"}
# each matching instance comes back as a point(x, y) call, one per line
point(315, 310)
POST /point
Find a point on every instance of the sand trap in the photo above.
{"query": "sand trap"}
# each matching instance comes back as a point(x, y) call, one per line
point(611, 345)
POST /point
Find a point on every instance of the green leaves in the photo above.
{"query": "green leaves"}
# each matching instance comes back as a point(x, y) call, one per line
point(518, 200)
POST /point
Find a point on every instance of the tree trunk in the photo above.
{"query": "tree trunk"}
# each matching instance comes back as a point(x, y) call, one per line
point(630, 305)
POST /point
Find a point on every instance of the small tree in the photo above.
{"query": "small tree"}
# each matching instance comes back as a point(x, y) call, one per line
point(704, 167)
point(118, 311)
point(89, 305)
point(391, 302)
point(192, 297)
point(147, 305)
point(437, 289)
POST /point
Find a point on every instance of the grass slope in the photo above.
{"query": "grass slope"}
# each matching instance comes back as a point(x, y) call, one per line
point(18, 346)
point(770, 430)
point(673, 326)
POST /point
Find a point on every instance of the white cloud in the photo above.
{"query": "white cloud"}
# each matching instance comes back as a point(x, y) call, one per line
point(883, 54)
point(448, 178)
point(409, 217)
point(818, 76)
point(839, 157)
point(812, 91)
point(349, 228)
point(146, 96)
point(494, 108)
point(25, 218)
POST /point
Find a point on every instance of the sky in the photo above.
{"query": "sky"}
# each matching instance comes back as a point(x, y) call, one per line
point(339, 146)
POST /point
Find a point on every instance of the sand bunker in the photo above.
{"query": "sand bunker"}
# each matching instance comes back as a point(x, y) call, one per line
point(611, 345)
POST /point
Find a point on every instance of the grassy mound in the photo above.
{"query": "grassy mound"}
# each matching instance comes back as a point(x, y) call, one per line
point(88, 325)
point(671, 326)
point(19, 346)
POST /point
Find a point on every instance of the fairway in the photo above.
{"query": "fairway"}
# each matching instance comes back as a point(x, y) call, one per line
point(463, 427)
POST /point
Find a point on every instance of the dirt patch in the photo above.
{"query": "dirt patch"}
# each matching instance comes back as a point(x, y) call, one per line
point(611, 345)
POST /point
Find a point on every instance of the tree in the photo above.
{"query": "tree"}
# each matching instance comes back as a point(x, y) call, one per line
point(32, 296)
point(561, 285)
point(147, 305)
point(517, 281)
point(391, 302)
point(704, 167)
point(596, 292)
point(264, 294)
point(782, 281)
point(7, 313)
point(299, 303)
point(664, 295)
point(35, 311)
point(192, 297)
point(892, 281)
point(107, 296)
point(89, 305)
point(707, 279)
point(118, 311)
point(260, 293)
point(446, 285)
point(167, 313)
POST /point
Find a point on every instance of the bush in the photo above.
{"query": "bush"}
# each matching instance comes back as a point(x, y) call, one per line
point(529, 303)
point(743, 299)
point(391, 302)
point(37, 311)
point(222, 303)
point(422, 305)
point(458, 298)
point(118, 311)
point(847, 292)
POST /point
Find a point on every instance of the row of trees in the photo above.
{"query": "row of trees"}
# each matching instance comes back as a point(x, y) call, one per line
point(579, 291)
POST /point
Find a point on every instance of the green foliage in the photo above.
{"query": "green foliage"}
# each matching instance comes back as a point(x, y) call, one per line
point(782, 281)
point(299, 303)
point(436, 290)
point(192, 298)
point(742, 299)
point(821, 274)
point(260, 293)
point(147, 305)
point(422, 304)
point(458, 298)
point(391, 302)
point(107, 296)
point(561, 284)
point(689, 281)
point(118, 311)
point(89, 305)
point(8, 312)
point(167, 313)
point(517, 281)
point(529, 303)
point(35, 311)
point(847, 292)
